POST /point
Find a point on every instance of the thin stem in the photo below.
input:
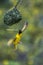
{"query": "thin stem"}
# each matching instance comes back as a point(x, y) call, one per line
point(17, 3)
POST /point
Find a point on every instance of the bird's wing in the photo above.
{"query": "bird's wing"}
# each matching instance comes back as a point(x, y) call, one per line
point(10, 42)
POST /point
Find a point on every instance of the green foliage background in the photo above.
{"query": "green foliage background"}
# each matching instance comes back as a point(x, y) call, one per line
point(30, 52)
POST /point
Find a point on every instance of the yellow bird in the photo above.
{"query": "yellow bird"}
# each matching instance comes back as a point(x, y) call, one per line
point(18, 36)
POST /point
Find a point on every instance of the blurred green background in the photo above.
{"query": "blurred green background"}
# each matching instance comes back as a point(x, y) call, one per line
point(30, 52)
